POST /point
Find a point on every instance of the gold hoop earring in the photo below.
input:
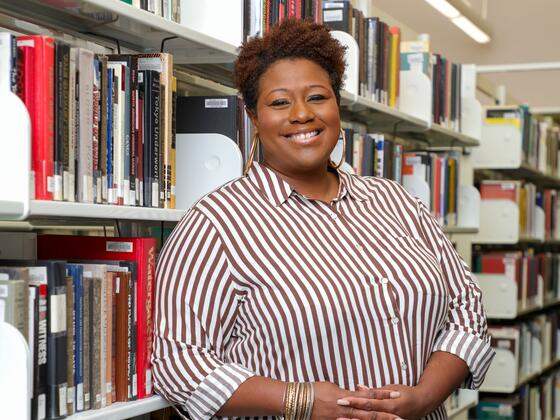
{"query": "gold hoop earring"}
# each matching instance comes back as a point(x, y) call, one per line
point(251, 156)
point(343, 150)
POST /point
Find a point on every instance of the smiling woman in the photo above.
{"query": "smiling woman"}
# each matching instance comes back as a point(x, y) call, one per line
point(299, 290)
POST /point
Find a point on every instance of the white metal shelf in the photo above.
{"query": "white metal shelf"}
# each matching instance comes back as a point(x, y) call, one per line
point(123, 410)
point(134, 28)
point(60, 209)
point(459, 230)
point(389, 120)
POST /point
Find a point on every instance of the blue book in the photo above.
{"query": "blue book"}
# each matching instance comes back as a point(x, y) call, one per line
point(76, 271)
point(109, 163)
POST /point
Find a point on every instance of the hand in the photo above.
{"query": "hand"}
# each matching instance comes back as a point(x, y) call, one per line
point(412, 404)
point(327, 396)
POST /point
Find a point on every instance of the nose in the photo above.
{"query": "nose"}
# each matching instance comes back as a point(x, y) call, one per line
point(301, 112)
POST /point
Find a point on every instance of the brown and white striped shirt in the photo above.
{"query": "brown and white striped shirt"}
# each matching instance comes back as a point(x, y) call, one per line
point(257, 279)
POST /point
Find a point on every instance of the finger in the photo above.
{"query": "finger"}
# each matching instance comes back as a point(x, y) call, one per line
point(369, 415)
point(376, 393)
point(367, 404)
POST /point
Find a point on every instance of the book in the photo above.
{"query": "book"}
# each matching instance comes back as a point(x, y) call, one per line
point(142, 251)
point(37, 61)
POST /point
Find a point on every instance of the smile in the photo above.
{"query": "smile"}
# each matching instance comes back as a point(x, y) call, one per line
point(304, 137)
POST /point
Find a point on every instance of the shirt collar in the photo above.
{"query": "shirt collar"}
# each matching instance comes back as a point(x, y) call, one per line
point(277, 191)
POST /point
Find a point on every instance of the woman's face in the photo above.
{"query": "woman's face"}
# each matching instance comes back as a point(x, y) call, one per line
point(297, 116)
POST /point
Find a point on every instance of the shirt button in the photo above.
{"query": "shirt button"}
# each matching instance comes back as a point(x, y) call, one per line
point(359, 247)
point(384, 281)
point(395, 320)
point(404, 366)
point(333, 216)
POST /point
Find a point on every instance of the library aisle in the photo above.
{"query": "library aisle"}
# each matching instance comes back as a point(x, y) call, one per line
point(124, 294)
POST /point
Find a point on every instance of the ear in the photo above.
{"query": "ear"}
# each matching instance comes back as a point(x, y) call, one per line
point(253, 117)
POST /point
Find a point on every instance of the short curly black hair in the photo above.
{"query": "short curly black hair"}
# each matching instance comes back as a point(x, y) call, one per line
point(291, 38)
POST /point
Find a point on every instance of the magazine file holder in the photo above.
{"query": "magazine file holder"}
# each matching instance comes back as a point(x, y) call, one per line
point(15, 376)
point(204, 163)
point(15, 157)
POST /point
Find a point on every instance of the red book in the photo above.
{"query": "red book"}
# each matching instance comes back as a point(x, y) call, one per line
point(38, 67)
point(140, 250)
point(499, 190)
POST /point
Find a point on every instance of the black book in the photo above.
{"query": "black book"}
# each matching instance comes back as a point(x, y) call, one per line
point(57, 373)
point(61, 109)
point(208, 114)
point(368, 156)
point(132, 328)
point(150, 80)
point(349, 152)
point(337, 15)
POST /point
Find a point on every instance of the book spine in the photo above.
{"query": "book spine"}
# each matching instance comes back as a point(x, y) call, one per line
point(173, 151)
point(78, 336)
point(69, 176)
point(132, 369)
point(121, 337)
point(39, 99)
point(141, 140)
point(86, 358)
point(96, 105)
point(103, 129)
point(109, 337)
point(127, 171)
point(103, 339)
point(95, 343)
point(39, 401)
point(85, 118)
point(60, 155)
point(56, 342)
point(155, 117)
point(134, 179)
point(110, 135)
point(70, 347)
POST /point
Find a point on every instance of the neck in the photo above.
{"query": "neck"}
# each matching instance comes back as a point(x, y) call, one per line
point(320, 184)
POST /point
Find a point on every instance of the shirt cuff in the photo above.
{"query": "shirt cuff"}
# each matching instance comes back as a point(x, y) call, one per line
point(214, 391)
point(474, 351)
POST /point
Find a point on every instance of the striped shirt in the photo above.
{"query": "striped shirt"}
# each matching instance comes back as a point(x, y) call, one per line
point(257, 279)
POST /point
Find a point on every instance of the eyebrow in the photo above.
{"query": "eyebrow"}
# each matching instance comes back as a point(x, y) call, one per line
point(286, 90)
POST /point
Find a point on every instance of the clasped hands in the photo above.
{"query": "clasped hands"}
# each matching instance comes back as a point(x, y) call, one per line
point(392, 402)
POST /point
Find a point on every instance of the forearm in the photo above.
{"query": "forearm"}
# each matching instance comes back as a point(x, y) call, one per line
point(257, 396)
point(443, 374)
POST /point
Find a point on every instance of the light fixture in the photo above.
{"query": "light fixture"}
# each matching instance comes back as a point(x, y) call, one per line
point(445, 8)
point(471, 29)
point(462, 17)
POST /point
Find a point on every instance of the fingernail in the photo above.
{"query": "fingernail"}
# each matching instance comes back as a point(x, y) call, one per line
point(395, 394)
point(363, 386)
point(343, 402)
point(398, 418)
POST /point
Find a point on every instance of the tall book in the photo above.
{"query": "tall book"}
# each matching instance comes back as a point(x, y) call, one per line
point(8, 62)
point(61, 111)
point(38, 68)
point(140, 250)
point(163, 64)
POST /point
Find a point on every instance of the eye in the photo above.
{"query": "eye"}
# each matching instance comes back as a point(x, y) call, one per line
point(279, 102)
point(317, 98)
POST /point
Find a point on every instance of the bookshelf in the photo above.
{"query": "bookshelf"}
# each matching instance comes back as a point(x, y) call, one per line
point(532, 362)
point(208, 62)
point(121, 411)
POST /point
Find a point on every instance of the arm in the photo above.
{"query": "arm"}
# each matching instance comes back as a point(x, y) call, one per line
point(195, 309)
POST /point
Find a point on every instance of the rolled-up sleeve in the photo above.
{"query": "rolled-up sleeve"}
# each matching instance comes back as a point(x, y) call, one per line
point(195, 311)
point(464, 333)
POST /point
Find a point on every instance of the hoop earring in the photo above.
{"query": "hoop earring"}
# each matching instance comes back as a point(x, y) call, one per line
point(343, 151)
point(251, 157)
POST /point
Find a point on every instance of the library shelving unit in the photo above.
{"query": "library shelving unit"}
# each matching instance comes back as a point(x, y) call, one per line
point(208, 63)
point(500, 157)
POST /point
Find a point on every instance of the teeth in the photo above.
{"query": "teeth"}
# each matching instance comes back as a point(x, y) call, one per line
point(304, 136)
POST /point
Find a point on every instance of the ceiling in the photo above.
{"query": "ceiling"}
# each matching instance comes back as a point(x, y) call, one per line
point(522, 31)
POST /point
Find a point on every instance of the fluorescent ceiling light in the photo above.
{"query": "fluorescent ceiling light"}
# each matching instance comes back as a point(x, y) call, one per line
point(444, 8)
point(471, 29)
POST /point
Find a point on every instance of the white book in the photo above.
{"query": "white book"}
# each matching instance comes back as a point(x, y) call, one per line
point(85, 140)
point(118, 136)
point(8, 56)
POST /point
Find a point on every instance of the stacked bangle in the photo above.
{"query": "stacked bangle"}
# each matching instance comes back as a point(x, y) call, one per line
point(298, 401)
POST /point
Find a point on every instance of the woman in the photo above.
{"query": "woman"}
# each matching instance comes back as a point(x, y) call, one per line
point(302, 291)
